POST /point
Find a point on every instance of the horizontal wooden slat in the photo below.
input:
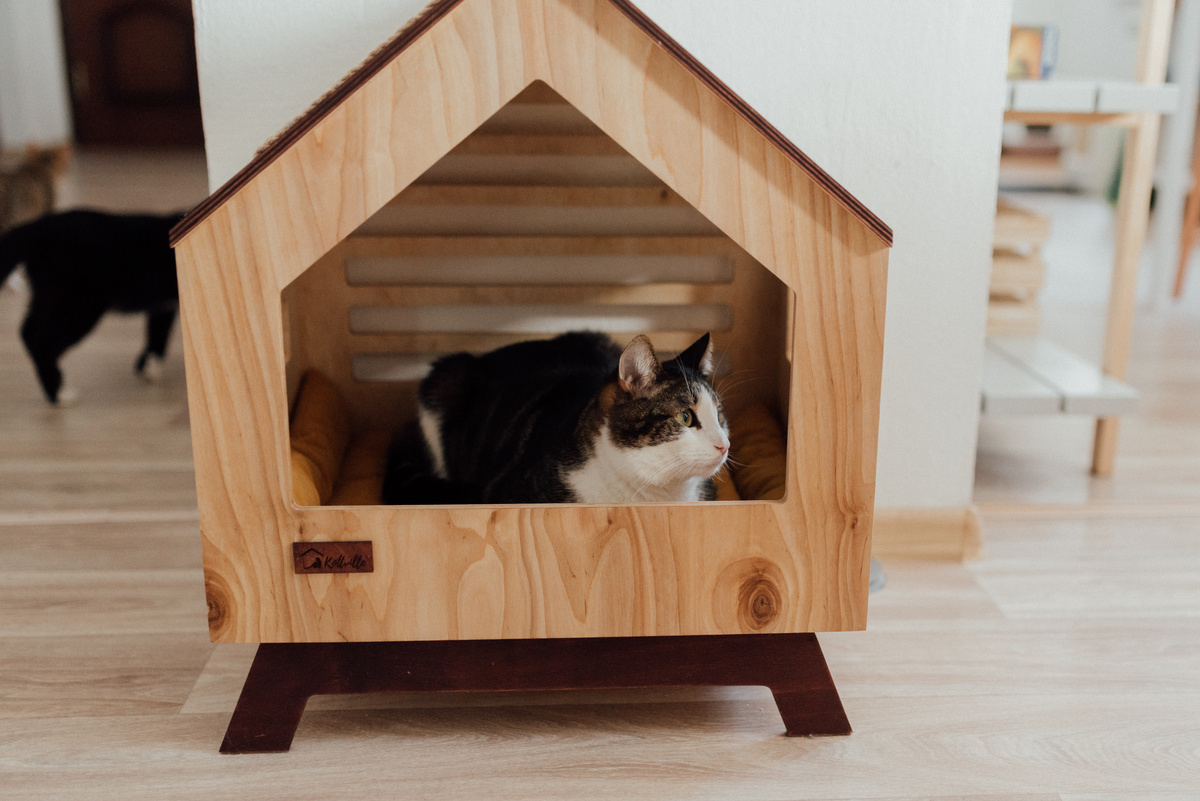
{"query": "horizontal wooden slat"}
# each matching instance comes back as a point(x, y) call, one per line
point(392, 367)
point(540, 319)
point(650, 294)
point(444, 210)
point(542, 118)
point(557, 269)
point(620, 170)
point(453, 342)
point(412, 367)
point(479, 144)
point(549, 220)
point(500, 195)
point(361, 246)
point(1008, 389)
point(1084, 387)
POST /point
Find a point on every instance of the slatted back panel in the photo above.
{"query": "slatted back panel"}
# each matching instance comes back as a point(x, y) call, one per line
point(534, 225)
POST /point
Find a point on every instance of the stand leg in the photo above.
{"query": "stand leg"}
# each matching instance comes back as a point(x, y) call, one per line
point(284, 676)
point(269, 708)
point(812, 714)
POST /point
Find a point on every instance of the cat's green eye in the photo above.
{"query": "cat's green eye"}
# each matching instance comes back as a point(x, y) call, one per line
point(685, 418)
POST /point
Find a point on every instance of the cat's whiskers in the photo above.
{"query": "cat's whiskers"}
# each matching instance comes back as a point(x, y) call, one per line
point(661, 478)
point(678, 468)
point(733, 380)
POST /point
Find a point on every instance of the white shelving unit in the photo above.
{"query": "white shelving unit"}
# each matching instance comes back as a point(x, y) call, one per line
point(1035, 376)
point(1094, 99)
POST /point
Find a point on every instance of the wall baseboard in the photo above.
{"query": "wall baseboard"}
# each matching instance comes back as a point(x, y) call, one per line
point(934, 534)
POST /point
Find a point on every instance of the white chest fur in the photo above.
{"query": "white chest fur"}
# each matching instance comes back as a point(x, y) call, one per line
point(627, 475)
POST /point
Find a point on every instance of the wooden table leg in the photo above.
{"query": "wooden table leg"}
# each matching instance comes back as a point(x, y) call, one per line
point(284, 676)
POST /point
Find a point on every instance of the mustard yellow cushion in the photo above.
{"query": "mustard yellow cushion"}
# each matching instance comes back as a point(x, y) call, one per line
point(760, 449)
point(303, 488)
point(360, 481)
point(320, 433)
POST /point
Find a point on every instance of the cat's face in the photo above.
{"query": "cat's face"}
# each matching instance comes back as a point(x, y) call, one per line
point(666, 418)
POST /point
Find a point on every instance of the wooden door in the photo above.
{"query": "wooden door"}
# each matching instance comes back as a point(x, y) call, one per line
point(132, 68)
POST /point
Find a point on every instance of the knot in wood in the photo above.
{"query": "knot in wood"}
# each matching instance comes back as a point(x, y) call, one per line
point(751, 596)
point(218, 605)
point(759, 602)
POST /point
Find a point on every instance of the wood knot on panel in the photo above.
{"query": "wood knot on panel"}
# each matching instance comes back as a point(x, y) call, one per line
point(749, 597)
point(759, 603)
point(218, 595)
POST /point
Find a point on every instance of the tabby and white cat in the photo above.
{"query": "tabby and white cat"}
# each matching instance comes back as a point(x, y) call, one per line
point(570, 419)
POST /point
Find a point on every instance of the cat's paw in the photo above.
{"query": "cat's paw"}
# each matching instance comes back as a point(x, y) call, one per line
point(67, 396)
point(151, 369)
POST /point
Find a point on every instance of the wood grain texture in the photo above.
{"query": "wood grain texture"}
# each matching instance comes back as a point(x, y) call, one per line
point(482, 572)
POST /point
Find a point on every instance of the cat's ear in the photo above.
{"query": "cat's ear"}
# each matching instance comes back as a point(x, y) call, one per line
point(699, 356)
point(639, 367)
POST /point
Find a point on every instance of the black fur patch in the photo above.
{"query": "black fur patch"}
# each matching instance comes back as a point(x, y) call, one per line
point(81, 264)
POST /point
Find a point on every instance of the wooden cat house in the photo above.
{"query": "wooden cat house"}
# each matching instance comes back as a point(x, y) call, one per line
point(506, 171)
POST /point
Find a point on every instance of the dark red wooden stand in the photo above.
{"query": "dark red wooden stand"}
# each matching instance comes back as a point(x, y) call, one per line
point(284, 675)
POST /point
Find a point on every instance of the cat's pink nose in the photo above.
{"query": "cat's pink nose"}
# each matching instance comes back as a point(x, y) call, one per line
point(722, 448)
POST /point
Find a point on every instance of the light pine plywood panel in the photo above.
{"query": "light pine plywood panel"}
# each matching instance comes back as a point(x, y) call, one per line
point(469, 572)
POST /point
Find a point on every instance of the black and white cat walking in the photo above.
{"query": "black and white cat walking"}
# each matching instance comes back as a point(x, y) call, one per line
point(570, 419)
point(81, 264)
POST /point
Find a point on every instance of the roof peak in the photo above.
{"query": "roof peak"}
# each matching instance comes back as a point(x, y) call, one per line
point(429, 16)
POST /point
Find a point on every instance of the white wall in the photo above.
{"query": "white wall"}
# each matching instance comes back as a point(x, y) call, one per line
point(263, 62)
point(33, 84)
point(901, 102)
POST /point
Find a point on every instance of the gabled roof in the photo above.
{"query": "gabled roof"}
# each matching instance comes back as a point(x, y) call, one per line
point(426, 20)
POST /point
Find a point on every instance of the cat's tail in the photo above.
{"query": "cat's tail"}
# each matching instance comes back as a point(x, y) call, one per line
point(410, 479)
point(14, 244)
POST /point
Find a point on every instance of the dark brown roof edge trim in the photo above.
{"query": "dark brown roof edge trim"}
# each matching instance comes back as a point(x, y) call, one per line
point(275, 147)
point(423, 22)
point(881, 229)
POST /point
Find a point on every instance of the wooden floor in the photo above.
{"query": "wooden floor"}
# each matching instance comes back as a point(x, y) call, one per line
point(1065, 664)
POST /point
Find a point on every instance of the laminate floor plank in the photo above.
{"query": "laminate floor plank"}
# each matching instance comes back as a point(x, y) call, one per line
point(89, 676)
point(929, 594)
point(81, 489)
point(55, 604)
point(916, 747)
point(1018, 657)
point(84, 545)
